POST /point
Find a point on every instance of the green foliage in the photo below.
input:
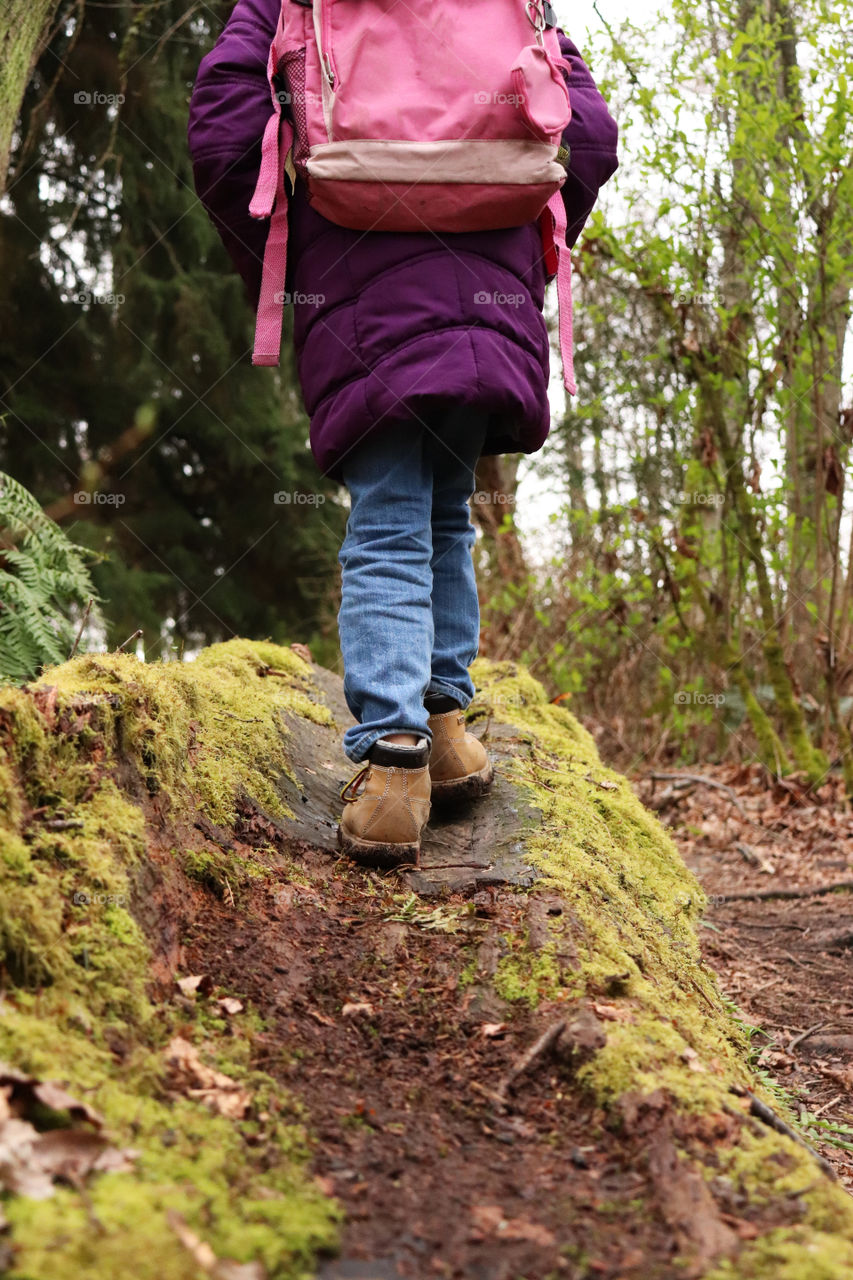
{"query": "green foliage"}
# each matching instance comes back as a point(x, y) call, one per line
point(705, 550)
point(44, 578)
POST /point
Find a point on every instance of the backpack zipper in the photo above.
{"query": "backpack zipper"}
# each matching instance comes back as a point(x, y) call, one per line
point(323, 32)
point(328, 78)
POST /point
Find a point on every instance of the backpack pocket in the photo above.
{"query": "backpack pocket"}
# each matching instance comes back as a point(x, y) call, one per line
point(543, 98)
point(293, 96)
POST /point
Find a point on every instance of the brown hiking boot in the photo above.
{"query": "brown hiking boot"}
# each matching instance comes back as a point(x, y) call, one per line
point(386, 806)
point(458, 765)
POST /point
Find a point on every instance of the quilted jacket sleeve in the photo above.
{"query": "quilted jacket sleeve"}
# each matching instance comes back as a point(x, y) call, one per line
point(229, 108)
point(591, 137)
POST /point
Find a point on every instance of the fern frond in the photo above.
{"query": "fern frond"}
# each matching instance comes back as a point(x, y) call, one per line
point(44, 580)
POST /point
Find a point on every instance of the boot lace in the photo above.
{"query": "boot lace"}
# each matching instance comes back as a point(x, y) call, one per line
point(350, 789)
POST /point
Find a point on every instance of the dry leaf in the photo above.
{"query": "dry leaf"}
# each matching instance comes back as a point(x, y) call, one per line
point(22, 1091)
point(490, 1220)
point(30, 1161)
point(192, 1077)
point(613, 1012)
point(190, 985)
point(230, 1005)
point(321, 1018)
point(356, 1007)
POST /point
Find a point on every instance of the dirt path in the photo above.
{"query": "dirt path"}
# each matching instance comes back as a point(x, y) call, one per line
point(786, 962)
point(383, 1027)
point(396, 1065)
point(385, 1030)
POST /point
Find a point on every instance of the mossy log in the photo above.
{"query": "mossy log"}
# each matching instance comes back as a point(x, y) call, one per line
point(23, 29)
point(135, 798)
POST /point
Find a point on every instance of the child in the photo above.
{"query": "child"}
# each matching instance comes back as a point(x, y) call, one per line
point(416, 352)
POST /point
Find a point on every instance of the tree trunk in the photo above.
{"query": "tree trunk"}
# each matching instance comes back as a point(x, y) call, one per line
point(255, 1027)
point(22, 30)
point(503, 572)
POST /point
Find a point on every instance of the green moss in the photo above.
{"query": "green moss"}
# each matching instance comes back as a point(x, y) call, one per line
point(669, 1027)
point(213, 726)
point(72, 847)
point(767, 1169)
point(241, 1186)
point(635, 900)
point(220, 870)
point(531, 976)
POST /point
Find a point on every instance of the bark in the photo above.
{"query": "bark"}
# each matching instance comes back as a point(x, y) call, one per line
point(22, 30)
point(503, 565)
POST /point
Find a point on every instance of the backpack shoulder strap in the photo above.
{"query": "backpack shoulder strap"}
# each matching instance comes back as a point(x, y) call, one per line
point(559, 258)
point(270, 201)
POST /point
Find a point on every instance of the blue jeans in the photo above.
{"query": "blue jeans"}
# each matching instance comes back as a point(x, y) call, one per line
point(409, 620)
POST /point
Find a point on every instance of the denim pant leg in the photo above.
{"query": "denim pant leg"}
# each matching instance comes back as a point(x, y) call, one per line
point(385, 619)
point(455, 606)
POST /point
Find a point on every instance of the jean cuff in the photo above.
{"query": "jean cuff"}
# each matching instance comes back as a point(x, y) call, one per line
point(363, 745)
point(450, 691)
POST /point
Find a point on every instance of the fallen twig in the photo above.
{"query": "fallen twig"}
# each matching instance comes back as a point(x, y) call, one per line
point(537, 1050)
point(137, 633)
point(826, 1106)
point(447, 866)
point(760, 1111)
point(761, 895)
point(748, 924)
point(699, 781)
point(804, 1035)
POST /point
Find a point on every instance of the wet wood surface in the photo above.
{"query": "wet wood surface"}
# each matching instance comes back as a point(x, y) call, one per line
point(466, 849)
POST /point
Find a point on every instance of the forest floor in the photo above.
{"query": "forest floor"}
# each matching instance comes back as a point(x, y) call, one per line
point(776, 933)
point(448, 1158)
point(470, 1112)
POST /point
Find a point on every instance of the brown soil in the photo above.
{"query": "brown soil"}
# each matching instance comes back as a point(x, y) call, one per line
point(396, 1067)
point(786, 962)
point(390, 1042)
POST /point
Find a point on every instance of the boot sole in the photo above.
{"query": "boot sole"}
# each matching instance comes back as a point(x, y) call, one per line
point(471, 787)
point(384, 857)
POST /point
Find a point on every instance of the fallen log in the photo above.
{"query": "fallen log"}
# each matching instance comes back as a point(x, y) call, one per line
point(525, 1034)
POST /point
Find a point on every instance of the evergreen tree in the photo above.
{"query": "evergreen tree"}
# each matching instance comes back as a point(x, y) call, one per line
point(131, 407)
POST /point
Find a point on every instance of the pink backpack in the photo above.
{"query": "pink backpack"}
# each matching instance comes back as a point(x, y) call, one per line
point(415, 115)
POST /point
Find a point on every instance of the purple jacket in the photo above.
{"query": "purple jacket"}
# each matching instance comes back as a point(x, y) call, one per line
point(400, 334)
